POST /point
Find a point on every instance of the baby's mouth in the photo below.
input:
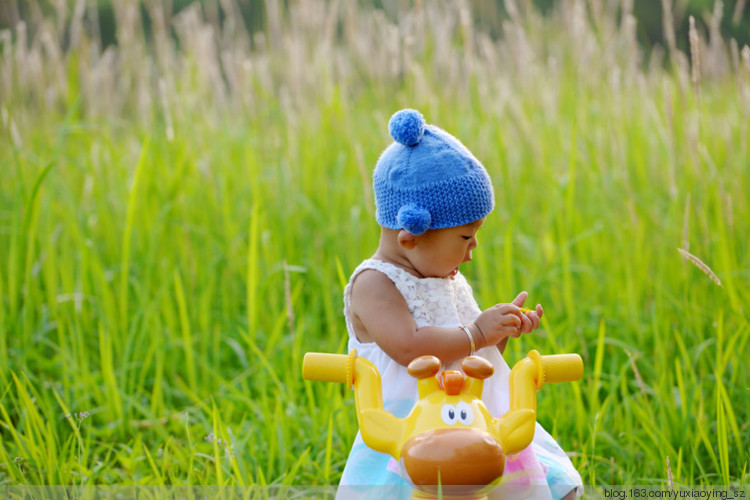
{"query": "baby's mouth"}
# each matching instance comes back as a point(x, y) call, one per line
point(454, 272)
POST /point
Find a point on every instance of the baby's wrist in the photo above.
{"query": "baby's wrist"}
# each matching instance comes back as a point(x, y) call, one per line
point(479, 338)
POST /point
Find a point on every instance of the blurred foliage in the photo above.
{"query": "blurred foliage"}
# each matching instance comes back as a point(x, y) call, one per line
point(488, 15)
point(735, 22)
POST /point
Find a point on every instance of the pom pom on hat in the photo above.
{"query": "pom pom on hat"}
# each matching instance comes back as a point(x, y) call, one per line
point(407, 127)
point(427, 179)
point(414, 219)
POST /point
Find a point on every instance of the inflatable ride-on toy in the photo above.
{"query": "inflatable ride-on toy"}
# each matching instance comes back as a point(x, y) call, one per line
point(449, 445)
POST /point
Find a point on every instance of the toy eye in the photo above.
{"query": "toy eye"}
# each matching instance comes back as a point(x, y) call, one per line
point(449, 414)
point(465, 413)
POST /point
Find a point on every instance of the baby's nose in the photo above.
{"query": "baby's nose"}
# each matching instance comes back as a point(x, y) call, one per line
point(467, 257)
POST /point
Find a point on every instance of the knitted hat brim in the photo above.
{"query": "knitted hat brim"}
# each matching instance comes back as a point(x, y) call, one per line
point(451, 203)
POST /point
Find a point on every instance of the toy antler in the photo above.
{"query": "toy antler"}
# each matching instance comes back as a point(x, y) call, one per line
point(516, 427)
point(380, 430)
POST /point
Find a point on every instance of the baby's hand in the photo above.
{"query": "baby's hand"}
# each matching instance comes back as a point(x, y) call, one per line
point(530, 317)
point(504, 320)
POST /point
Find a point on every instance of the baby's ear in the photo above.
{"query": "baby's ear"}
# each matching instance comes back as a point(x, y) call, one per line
point(406, 239)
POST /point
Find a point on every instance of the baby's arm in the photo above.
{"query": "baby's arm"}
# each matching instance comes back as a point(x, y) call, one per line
point(381, 315)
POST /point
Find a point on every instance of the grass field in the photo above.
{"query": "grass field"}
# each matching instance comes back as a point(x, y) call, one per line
point(179, 214)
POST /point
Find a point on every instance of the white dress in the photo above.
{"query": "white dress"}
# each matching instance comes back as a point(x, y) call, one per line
point(448, 303)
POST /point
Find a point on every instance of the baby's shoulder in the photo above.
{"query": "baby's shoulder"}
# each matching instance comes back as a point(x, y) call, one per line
point(370, 281)
point(371, 286)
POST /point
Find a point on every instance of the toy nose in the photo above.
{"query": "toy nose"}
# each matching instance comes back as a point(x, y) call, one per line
point(460, 457)
point(453, 382)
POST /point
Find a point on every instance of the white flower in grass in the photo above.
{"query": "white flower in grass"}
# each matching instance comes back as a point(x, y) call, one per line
point(79, 417)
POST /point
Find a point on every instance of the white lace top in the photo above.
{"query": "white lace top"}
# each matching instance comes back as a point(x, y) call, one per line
point(448, 303)
point(434, 302)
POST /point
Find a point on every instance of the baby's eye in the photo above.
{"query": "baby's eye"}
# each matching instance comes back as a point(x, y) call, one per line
point(467, 237)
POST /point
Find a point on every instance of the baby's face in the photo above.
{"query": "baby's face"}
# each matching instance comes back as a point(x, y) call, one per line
point(439, 252)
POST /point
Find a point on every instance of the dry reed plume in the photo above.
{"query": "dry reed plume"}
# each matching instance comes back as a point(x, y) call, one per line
point(700, 265)
point(188, 64)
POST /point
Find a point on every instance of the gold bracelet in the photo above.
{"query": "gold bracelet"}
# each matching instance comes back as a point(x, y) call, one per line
point(471, 339)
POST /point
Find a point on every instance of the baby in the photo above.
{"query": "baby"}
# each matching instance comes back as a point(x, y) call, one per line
point(410, 299)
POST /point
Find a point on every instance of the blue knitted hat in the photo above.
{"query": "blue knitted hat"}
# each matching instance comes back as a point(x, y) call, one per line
point(427, 179)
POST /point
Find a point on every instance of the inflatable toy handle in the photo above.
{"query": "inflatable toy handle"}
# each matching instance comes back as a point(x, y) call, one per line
point(326, 367)
point(562, 368)
point(534, 371)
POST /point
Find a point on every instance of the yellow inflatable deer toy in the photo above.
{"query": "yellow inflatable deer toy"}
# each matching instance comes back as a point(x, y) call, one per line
point(449, 445)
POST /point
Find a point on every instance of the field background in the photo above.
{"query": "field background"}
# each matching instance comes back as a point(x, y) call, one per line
point(180, 210)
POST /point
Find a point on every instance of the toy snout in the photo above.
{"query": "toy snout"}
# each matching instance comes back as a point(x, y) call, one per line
point(454, 456)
